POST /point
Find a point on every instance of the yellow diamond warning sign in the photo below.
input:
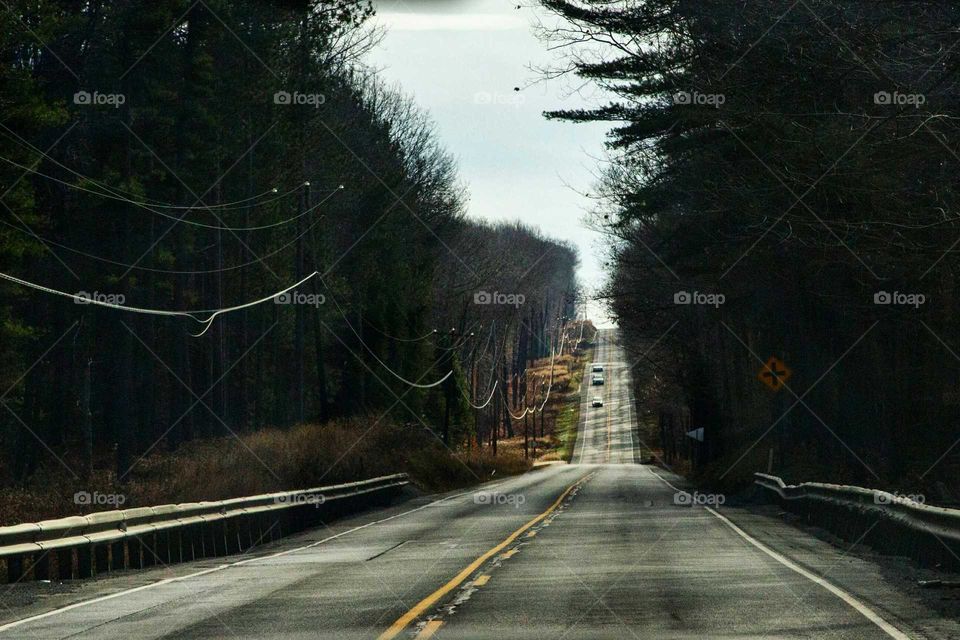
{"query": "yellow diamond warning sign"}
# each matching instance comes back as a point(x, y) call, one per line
point(774, 373)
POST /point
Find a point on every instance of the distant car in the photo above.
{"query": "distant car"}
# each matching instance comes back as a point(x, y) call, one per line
point(597, 368)
point(596, 380)
point(597, 401)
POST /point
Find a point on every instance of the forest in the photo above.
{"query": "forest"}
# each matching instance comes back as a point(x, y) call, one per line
point(782, 184)
point(197, 156)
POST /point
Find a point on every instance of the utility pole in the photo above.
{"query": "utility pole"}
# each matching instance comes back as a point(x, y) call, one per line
point(446, 344)
point(298, 309)
point(316, 252)
point(450, 389)
point(87, 420)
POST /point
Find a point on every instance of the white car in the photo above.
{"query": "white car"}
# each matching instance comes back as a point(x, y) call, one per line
point(597, 368)
point(596, 380)
point(597, 401)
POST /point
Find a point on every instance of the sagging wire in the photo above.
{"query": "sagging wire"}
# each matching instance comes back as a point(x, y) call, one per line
point(546, 398)
point(372, 353)
point(116, 193)
point(193, 315)
point(550, 386)
point(117, 263)
point(492, 371)
point(432, 332)
point(484, 405)
point(181, 219)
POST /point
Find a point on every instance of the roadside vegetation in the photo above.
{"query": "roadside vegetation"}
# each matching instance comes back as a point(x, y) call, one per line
point(564, 416)
point(189, 156)
point(310, 455)
point(786, 190)
point(264, 461)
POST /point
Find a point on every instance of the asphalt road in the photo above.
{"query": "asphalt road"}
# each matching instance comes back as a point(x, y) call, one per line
point(607, 434)
point(606, 550)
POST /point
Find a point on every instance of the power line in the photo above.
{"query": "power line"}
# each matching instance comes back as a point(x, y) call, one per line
point(492, 371)
point(193, 315)
point(372, 353)
point(387, 335)
point(117, 263)
point(528, 411)
point(182, 219)
point(116, 193)
point(484, 405)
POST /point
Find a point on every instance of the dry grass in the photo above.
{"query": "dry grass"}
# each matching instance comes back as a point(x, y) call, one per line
point(265, 461)
point(563, 410)
point(437, 472)
point(304, 456)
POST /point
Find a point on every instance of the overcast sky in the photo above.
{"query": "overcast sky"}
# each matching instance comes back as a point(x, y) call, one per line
point(460, 60)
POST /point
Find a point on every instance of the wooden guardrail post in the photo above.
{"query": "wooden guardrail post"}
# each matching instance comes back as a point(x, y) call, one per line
point(65, 563)
point(86, 567)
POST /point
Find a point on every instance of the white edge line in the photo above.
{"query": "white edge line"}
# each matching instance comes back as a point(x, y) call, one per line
point(111, 596)
point(854, 603)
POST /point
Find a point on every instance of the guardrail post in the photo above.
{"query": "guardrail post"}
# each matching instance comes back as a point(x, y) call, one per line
point(174, 545)
point(117, 555)
point(195, 540)
point(162, 539)
point(248, 527)
point(65, 564)
point(263, 528)
point(101, 557)
point(206, 540)
point(233, 535)
point(41, 567)
point(223, 536)
point(136, 553)
point(86, 567)
point(149, 543)
point(14, 569)
point(216, 538)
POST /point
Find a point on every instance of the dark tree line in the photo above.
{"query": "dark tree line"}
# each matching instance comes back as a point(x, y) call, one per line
point(194, 156)
point(799, 160)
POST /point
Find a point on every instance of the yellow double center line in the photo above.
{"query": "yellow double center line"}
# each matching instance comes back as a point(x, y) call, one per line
point(418, 609)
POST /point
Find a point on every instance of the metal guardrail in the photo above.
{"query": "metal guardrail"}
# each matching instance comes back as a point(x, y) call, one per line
point(894, 523)
point(82, 546)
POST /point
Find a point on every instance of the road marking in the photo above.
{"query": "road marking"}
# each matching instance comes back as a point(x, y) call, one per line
point(418, 609)
point(609, 426)
point(482, 580)
point(851, 600)
point(196, 574)
point(429, 629)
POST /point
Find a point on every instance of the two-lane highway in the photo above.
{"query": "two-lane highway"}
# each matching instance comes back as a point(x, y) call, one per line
point(607, 434)
point(599, 549)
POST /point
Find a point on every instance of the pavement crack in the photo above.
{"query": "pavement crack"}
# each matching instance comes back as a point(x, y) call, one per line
point(386, 551)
